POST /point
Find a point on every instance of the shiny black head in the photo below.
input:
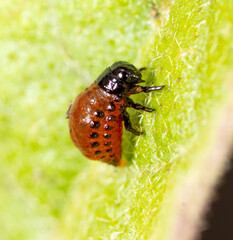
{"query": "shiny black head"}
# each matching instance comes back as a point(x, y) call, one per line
point(118, 78)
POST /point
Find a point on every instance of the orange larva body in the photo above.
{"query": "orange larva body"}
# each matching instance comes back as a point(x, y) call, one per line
point(96, 116)
point(95, 122)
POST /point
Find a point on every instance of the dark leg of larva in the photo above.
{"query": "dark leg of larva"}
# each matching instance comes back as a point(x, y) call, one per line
point(130, 103)
point(68, 111)
point(142, 69)
point(128, 125)
point(137, 89)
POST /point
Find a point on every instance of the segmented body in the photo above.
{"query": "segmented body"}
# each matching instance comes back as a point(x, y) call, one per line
point(96, 116)
point(95, 122)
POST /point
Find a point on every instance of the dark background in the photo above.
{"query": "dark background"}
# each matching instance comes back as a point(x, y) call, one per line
point(220, 216)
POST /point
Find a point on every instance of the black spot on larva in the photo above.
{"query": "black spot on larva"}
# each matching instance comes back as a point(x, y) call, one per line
point(107, 135)
point(118, 99)
point(107, 143)
point(109, 150)
point(113, 155)
point(102, 157)
point(95, 124)
point(97, 152)
point(88, 93)
point(99, 113)
point(107, 127)
point(111, 118)
point(111, 107)
point(95, 144)
point(94, 135)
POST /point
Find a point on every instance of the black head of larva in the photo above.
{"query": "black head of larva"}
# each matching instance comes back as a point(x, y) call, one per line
point(118, 78)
